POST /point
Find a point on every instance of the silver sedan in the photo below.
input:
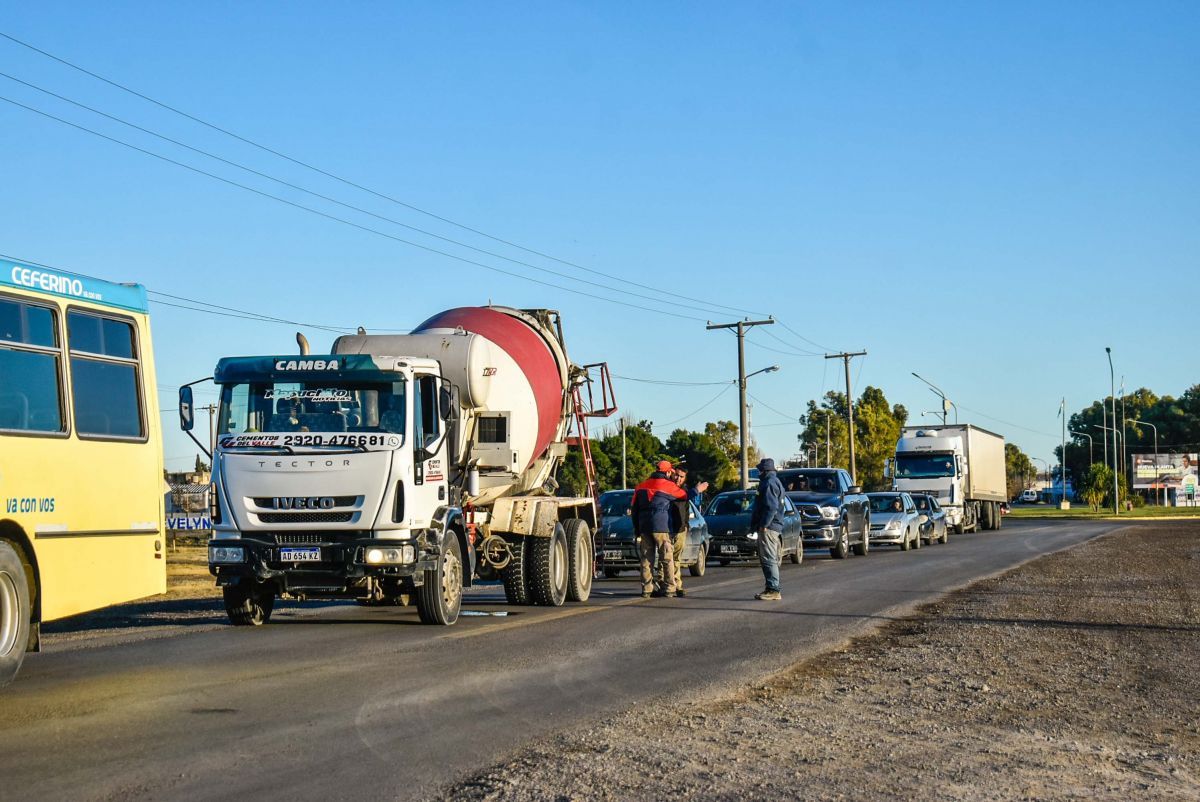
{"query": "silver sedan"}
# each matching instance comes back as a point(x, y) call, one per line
point(895, 520)
point(933, 519)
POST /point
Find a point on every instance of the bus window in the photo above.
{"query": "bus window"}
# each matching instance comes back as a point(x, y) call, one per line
point(104, 377)
point(30, 379)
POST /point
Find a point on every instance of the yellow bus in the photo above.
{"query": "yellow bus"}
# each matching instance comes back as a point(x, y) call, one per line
point(81, 463)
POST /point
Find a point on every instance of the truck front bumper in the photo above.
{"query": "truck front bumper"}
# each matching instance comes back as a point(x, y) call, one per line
point(821, 534)
point(328, 568)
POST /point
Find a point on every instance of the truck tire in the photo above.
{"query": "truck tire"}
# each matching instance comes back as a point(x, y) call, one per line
point(841, 550)
point(582, 559)
point(515, 574)
point(697, 568)
point(248, 603)
point(439, 598)
point(549, 565)
point(997, 516)
point(863, 546)
point(15, 613)
point(988, 515)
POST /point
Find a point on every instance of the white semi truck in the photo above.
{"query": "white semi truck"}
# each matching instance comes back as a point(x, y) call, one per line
point(401, 467)
point(962, 465)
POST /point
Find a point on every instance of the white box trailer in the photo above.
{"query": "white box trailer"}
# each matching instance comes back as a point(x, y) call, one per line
point(962, 465)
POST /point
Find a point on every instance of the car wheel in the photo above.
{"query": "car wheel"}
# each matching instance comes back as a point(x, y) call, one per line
point(842, 549)
point(797, 556)
point(945, 535)
point(697, 568)
point(917, 541)
point(905, 545)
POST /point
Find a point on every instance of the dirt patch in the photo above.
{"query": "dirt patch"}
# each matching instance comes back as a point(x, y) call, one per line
point(1072, 677)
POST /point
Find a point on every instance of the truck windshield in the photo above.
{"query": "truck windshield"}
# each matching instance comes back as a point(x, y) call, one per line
point(924, 466)
point(324, 406)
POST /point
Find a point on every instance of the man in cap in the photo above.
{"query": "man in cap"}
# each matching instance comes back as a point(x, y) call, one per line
point(766, 519)
point(651, 511)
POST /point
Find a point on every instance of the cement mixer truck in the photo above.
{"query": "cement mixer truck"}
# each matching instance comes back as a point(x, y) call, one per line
point(401, 468)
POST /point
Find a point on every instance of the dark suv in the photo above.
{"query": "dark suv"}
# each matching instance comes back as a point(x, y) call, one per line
point(834, 512)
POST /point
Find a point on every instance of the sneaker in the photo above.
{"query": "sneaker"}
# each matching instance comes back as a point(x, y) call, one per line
point(680, 592)
point(768, 595)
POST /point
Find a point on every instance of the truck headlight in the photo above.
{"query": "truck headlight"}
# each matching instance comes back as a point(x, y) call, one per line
point(226, 554)
point(830, 513)
point(390, 556)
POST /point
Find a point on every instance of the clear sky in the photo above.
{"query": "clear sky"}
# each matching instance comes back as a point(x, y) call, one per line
point(986, 193)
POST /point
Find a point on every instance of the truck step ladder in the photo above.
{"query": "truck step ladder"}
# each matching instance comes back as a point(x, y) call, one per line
point(583, 400)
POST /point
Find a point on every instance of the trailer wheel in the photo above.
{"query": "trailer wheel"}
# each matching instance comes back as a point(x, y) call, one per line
point(996, 515)
point(697, 568)
point(440, 596)
point(248, 603)
point(515, 574)
point(582, 559)
point(549, 565)
point(14, 613)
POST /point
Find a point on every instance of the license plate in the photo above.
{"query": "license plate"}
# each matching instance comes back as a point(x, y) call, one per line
point(612, 555)
point(729, 549)
point(300, 555)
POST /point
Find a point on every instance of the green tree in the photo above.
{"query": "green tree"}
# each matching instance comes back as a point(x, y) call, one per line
point(705, 458)
point(1018, 469)
point(725, 435)
point(876, 429)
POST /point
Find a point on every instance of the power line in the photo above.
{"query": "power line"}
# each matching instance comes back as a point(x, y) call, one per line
point(801, 336)
point(671, 383)
point(342, 220)
point(694, 412)
point(342, 180)
point(800, 351)
point(773, 409)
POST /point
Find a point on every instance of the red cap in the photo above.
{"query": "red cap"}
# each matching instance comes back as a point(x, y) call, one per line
point(665, 466)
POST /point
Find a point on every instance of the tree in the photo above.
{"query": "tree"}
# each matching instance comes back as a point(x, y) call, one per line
point(876, 431)
point(202, 466)
point(1098, 487)
point(725, 435)
point(1018, 469)
point(706, 460)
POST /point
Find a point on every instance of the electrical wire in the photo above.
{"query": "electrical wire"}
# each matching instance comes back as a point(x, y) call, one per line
point(708, 404)
point(824, 348)
point(800, 351)
point(773, 409)
point(342, 180)
point(666, 383)
point(343, 220)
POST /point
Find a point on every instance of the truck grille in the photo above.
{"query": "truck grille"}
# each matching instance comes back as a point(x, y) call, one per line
point(305, 517)
point(338, 501)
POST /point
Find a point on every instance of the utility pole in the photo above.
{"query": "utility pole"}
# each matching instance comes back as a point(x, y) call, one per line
point(212, 442)
point(1062, 458)
point(1124, 452)
point(1112, 388)
point(741, 327)
point(846, 357)
point(828, 452)
point(624, 461)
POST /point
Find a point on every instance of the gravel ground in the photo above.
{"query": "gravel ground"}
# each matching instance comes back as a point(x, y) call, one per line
point(1072, 677)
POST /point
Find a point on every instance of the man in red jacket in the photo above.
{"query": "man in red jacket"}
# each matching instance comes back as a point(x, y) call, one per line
point(651, 512)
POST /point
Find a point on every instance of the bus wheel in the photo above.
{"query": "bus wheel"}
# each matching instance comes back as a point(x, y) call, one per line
point(248, 604)
point(14, 613)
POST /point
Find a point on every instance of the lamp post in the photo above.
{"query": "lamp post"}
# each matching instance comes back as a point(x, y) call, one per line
point(1047, 464)
point(741, 327)
point(1091, 445)
point(1136, 422)
point(745, 458)
point(1112, 381)
point(946, 402)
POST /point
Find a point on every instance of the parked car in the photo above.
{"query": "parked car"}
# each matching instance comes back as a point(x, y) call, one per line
point(895, 520)
point(617, 548)
point(1029, 497)
point(934, 528)
point(834, 512)
point(728, 518)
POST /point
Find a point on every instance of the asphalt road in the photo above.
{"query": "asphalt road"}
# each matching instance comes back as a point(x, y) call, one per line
point(343, 702)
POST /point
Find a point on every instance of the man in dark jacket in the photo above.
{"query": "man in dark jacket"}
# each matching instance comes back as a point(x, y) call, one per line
point(651, 510)
point(766, 519)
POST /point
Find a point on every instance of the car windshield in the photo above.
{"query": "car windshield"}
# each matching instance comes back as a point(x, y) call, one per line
point(886, 504)
point(809, 482)
point(615, 505)
point(734, 504)
point(922, 502)
point(924, 466)
point(324, 406)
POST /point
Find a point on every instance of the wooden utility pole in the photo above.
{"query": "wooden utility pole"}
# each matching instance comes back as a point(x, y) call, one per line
point(846, 357)
point(741, 327)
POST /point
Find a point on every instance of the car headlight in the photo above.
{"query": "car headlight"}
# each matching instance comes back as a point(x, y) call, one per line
point(892, 526)
point(226, 554)
point(389, 556)
point(830, 513)
point(752, 536)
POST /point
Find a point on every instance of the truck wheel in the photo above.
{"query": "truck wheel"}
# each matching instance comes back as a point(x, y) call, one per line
point(996, 516)
point(697, 568)
point(582, 560)
point(439, 598)
point(549, 564)
point(14, 613)
point(516, 573)
point(863, 546)
point(248, 603)
point(842, 549)
point(988, 515)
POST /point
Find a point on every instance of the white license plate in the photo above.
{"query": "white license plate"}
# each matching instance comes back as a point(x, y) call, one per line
point(612, 555)
point(729, 549)
point(300, 555)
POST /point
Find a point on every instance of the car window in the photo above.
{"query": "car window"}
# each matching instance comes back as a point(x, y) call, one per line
point(787, 505)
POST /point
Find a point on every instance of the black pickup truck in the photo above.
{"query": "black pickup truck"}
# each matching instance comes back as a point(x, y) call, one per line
point(834, 512)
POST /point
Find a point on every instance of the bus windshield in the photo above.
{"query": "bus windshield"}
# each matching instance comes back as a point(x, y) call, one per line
point(324, 406)
point(924, 466)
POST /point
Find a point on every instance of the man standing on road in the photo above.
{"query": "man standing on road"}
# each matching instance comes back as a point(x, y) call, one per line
point(681, 520)
point(767, 520)
point(651, 511)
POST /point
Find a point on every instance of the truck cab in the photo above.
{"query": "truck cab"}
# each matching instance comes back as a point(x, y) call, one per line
point(933, 464)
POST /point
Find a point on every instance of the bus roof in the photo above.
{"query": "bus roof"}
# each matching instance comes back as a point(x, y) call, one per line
point(72, 286)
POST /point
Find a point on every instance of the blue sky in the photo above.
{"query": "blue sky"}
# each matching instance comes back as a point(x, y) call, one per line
point(986, 194)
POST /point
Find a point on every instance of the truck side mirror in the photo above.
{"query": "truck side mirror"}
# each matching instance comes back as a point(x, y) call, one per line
point(854, 490)
point(187, 416)
point(444, 402)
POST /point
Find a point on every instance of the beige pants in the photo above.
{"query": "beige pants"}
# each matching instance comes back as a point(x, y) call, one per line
point(680, 542)
point(657, 548)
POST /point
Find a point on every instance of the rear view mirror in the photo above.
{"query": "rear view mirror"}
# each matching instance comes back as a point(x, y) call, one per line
point(187, 415)
point(444, 402)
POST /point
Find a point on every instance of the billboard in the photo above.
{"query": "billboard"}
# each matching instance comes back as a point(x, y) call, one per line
point(1173, 472)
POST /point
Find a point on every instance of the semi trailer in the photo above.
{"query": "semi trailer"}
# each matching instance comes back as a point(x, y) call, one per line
point(962, 465)
point(401, 468)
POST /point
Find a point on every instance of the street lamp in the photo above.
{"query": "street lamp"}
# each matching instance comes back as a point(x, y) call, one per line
point(1091, 445)
point(1047, 464)
point(745, 435)
point(1112, 381)
point(946, 402)
point(1136, 422)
